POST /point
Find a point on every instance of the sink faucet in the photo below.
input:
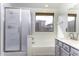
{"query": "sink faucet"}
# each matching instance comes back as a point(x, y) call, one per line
point(71, 36)
point(74, 36)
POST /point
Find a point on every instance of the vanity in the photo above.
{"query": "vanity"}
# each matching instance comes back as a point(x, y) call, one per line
point(66, 47)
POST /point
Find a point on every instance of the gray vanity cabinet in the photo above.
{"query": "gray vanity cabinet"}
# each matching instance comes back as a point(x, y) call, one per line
point(58, 46)
point(63, 49)
point(74, 52)
point(57, 50)
point(66, 47)
point(64, 52)
point(60, 49)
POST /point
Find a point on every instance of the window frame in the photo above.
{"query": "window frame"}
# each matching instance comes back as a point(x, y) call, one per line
point(43, 14)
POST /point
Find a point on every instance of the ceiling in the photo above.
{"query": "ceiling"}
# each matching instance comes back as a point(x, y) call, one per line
point(42, 5)
point(60, 7)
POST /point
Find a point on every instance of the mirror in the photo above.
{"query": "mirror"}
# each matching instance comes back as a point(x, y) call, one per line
point(44, 22)
point(71, 23)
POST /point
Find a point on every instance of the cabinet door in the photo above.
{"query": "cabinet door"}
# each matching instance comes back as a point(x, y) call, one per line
point(12, 30)
point(74, 52)
point(56, 42)
point(66, 47)
point(64, 52)
point(60, 44)
point(57, 50)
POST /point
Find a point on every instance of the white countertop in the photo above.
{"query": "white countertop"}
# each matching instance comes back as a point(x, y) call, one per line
point(71, 42)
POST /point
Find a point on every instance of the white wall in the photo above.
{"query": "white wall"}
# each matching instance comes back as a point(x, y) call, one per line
point(0, 29)
point(77, 22)
point(44, 39)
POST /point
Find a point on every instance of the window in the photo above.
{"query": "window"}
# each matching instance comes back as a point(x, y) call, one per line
point(71, 23)
point(44, 22)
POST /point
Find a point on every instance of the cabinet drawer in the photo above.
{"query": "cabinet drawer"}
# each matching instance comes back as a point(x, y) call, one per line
point(57, 50)
point(74, 52)
point(64, 52)
point(60, 43)
point(57, 42)
point(66, 47)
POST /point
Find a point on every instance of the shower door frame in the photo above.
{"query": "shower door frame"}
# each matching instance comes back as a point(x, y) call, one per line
point(20, 45)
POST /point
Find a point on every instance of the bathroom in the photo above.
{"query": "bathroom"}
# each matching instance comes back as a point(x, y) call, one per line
point(22, 35)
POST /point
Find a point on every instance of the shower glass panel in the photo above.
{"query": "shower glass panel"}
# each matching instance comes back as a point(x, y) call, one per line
point(12, 38)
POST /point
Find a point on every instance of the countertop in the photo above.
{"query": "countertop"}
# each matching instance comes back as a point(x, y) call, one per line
point(71, 42)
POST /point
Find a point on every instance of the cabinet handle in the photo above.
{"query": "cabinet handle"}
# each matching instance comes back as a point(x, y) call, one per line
point(32, 38)
point(33, 42)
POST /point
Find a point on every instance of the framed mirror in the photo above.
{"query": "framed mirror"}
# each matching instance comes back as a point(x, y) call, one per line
point(71, 23)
